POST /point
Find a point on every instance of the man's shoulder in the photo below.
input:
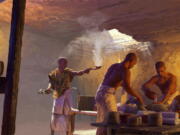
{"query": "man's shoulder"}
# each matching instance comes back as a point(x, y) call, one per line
point(115, 65)
point(52, 74)
point(155, 77)
point(171, 76)
point(68, 70)
point(54, 71)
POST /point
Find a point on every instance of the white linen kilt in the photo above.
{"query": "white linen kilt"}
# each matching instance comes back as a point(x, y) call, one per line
point(61, 113)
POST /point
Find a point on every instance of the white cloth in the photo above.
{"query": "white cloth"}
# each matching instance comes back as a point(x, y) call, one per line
point(63, 104)
point(61, 111)
point(59, 123)
point(123, 97)
point(105, 101)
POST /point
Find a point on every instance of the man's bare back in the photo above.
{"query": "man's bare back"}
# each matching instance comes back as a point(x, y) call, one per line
point(119, 75)
point(115, 75)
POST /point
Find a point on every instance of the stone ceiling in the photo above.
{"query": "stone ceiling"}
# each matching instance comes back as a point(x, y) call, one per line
point(148, 20)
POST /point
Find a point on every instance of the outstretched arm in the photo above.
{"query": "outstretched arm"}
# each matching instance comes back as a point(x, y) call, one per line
point(85, 71)
point(127, 87)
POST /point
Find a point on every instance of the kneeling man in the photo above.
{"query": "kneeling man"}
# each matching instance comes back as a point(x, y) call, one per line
point(165, 81)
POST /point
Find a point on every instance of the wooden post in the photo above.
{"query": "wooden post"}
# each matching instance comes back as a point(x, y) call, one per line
point(13, 69)
point(2, 79)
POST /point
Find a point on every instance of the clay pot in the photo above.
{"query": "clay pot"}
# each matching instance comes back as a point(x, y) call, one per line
point(112, 118)
point(144, 119)
point(124, 118)
point(134, 121)
point(155, 119)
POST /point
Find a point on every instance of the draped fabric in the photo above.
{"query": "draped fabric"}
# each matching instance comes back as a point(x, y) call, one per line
point(61, 113)
point(60, 82)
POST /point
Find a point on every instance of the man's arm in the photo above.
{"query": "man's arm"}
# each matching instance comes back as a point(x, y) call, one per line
point(127, 87)
point(79, 73)
point(48, 90)
point(85, 71)
point(146, 88)
point(170, 89)
point(149, 83)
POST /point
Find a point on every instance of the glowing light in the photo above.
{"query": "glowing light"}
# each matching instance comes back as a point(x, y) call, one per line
point(122, 38)
point(124, 42)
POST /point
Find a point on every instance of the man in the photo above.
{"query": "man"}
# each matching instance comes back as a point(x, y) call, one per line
point(165, 81)
point(117, 75)
point(60, 86)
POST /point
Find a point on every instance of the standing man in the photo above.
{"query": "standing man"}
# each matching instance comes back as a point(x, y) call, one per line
point(60, 86)
point(165, 81)
point(117, 75)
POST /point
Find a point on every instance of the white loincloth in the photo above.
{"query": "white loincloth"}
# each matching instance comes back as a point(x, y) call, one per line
point(123, 97)
point(60, 119)
point(105, 102)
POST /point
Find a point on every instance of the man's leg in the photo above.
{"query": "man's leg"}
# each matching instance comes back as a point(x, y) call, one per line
point(52, 132)
point(108, 105)
point(111, 104)
point(70, 124)
point(100, 118)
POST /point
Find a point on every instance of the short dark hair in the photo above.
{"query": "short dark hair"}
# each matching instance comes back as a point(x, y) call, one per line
point(159, 64)
point(130, 57)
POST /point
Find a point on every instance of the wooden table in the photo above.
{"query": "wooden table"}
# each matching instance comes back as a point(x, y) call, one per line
point(139, 130)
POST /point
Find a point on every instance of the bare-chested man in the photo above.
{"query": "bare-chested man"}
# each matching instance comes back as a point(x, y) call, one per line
point(117, 75)
point(165, 81)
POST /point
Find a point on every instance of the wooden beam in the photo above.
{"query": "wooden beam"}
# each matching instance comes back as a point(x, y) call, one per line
point(1, 68)
point(2, 79)
point(2, 84)
point(13, 69)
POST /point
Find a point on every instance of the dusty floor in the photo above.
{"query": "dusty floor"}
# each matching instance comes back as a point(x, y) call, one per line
point(82, 127)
